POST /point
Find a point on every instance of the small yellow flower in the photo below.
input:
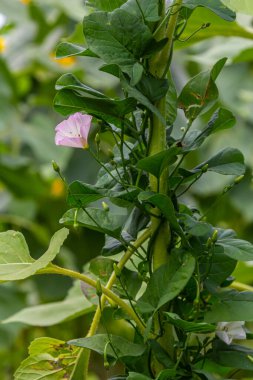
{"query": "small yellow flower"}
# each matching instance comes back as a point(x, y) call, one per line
point(57, 188)
point(65, 62)
point(2, 44)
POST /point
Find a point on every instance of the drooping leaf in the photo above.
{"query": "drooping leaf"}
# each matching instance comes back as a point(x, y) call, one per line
point(231, 306)
point(200, 327)
point(201, 92)
point(167, 282)
point(69, 81)
point(228, 161)
point(95, 219)
point(49, 358)
point(67, 102)
point(237, 249)
point(48, 314)
point(117, 347)
point(215, 6)
point(67, 49)
point(15, 260)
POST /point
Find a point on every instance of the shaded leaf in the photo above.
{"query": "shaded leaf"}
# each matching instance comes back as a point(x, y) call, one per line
point(147, 9)
point(200, 327)
point(233, 356)
point(215, 6)
point(121, 346)
point(67, 49)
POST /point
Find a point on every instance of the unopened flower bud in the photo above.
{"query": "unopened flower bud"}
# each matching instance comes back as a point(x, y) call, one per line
point(214, 236)
point(238, 179)
point(209, 243)
point(97, 139)
point(204, 168)
point(55, 166)
point(99, 288)
point(105, 206)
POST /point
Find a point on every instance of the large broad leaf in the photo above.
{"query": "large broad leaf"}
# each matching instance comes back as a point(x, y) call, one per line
point(215, 6)
point(232, 356)
point(200, 327)
point(148, 9)
point(218, 27)
point(67, 102)
point(167, 282)
point(116, 346)
point(228, 161)
point(95, 219)
point(74, 305)
point(49, 359)
point(15, 260)
point(137, 376)
point(105, 5)
point(237, 249)
point(201, 92)
point(242, 6)
point(118, 38)
point(231, 306)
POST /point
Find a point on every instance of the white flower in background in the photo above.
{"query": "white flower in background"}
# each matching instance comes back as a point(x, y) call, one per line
point(227, 331)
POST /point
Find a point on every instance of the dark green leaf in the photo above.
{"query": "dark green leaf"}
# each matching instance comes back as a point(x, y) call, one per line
point(121, 347)
point(113, 246)
point(201, 92)
point(67, 49)
point(228, 161)
point(156, 163)
point(118, 38)
point(215, 6)
point(237, 249)
point(233, 356)
point(200, 327)
point(167, 282)
point(148, 9)
point(153, 88)
point(171, 102)
point(105, 5)
point(95, 219)
point(112, 111)
point(231, 306)
point(137, 376)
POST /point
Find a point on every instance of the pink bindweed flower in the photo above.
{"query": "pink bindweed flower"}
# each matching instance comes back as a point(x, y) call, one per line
point(74, 131)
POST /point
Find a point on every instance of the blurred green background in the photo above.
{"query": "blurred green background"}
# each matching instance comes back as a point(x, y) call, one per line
point(32, 197)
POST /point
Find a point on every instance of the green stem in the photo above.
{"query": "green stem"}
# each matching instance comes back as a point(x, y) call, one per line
point(54, 269)
point(85, 354)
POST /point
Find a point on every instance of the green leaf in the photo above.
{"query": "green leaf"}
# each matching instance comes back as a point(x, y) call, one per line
point(67, 49)
point(232, 356)
point(167, 282)
point(242, 6)
point(48, 314)
point(118, 347)
point(228, 161)
point(153, 88)
point(218, 27)
point(15, 260)
point(237, 249)
point(201, 92)
point(215, 6)
point(95, 219)
point(118, 37)
point(69, 81)
point(171, 102)
point(112, 111)
point(231, 306)
point(156, 163)
point(105, 5)
point(221, 119)
point(147, 9)
point(49, 358)
point(200, 327)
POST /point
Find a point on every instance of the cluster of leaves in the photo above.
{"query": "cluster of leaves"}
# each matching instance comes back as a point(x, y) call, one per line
point(182, 301)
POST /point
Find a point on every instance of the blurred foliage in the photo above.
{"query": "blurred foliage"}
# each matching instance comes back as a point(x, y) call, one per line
point(32, 197)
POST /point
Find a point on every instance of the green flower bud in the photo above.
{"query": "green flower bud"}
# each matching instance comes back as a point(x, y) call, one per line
point(204, 168)
point(56, 167)
point(99, 288)
point(105, 206)
point(214, 236)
